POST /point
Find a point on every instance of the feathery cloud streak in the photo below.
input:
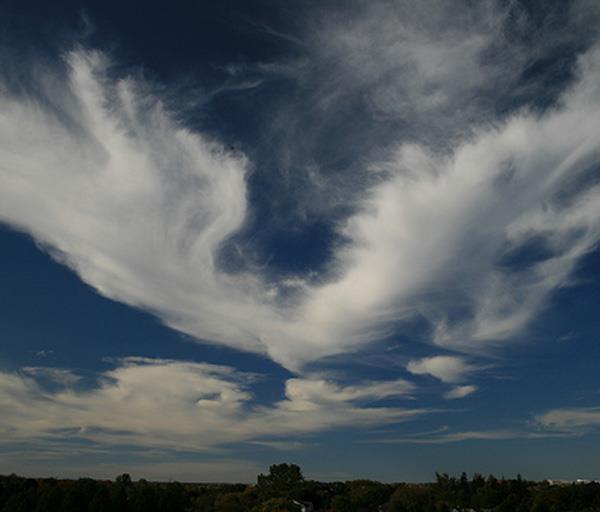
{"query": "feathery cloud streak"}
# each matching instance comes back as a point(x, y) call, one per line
point(139, 206)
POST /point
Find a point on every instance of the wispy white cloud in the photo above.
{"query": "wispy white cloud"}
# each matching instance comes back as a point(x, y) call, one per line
point(54, 375)
point(577, 419)
point(472, 435)
point(445, 368)
point(136, 204)
point(44, 353)
point(284, 446)
point(406, 60)
point(460, 391)
point(555, 423)
point(101, 174)
point(431, 238)
point(308, 394)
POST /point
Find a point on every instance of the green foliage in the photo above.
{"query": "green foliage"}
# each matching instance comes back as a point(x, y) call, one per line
point(124, 480)
point(49, 497)
point(367, 495)
point(230, 502)
point(341, 503)
point(101, 501)
point(173, 498)
point(412, 498)
point(276, 505)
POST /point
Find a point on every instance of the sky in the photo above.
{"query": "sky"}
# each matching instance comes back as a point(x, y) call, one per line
point(357, 236)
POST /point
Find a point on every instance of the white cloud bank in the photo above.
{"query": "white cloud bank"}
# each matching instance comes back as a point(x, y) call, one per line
point(184, 406)
point(102, 175)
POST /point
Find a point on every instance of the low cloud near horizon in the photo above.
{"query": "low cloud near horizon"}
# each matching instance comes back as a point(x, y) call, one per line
point(183, 405)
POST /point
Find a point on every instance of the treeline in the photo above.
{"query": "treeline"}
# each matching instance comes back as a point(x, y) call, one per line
point(284, 489)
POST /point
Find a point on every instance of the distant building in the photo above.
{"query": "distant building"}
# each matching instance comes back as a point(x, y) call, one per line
point(570, 482)
point(305, 506)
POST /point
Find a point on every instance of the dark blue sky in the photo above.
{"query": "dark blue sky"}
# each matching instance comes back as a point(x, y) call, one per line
point(357, 236)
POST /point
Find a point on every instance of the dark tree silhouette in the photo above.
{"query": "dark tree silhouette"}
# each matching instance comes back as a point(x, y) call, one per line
point(276, 492)
point(281, 476)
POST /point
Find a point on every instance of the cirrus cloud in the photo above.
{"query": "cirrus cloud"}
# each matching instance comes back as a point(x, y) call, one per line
point(140, 206)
